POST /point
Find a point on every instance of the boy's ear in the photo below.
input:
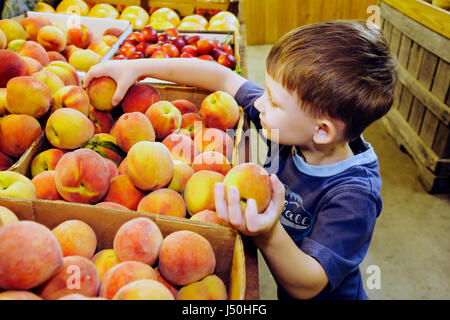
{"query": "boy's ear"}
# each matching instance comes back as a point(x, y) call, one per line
point(325, 132)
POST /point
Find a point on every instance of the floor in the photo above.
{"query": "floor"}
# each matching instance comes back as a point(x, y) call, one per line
point(410, 248)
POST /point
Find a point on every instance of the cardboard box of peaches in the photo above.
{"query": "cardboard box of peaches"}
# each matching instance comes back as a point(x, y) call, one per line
point(156, 155)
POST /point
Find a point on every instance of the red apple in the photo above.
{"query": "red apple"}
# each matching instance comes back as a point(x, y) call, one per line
point(149, 34)
point(130, 41)
point(173, 32)
point(127, 50)
point(192, 50)
point(205, 46)
point(216, 53)
point(159, 54)
point(226, 48)
point(206, 57)
point(227, 60)
point(136, 55)
point(193, 40)
point(120, 57)
point(171, 50)
point(151, 49)
point(186, 55)
point(163, 37)
point(137, 36)
point(142, 46)
point(178, 42)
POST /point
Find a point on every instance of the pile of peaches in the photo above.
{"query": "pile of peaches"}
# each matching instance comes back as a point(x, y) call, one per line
point(147, 43)
point(40, 41)
point(37, 263)
point(145, 154)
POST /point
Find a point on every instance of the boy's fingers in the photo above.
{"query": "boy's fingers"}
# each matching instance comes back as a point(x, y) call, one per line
point(221, 204)
point(277, 203)
point(252, 217)
point(234, 209)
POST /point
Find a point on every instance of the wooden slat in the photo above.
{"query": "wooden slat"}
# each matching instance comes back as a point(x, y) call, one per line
point(441, 144)
point(439, 109)
point(429, 128)
point(405, 136)
point(427, 69)
point(406, 99)
point(427, 38)
point(441, 81)
point(416, 116)
point(404, 50)
point(434, 18)
point(415, 60)
point(396, 36)
point(388, 32)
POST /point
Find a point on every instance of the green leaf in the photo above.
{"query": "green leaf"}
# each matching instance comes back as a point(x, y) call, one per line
point(110, 145)
point(238, 69)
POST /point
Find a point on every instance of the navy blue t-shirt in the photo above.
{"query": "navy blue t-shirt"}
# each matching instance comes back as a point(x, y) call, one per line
point(330, 211)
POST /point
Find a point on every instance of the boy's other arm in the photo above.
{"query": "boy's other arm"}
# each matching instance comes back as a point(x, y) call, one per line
point(302, 276)
point(199, 73)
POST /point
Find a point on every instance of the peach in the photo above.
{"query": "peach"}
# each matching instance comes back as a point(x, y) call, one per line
point(102, 120)
point(16, 185)
point(137, 16)
point(106, 146)
point(74, 97)
point(12, 30)
point(123, 167)
point(110, 40)
point(69, 50)
point(14, 45)
point(83, 60)
point(149, 165)
point(212, 139)
point(5, 162)
point(77, 275)
point(53, 82)
point(185, 106)
point(18, 295)
point(165, 118)
point(43, 7)
point(3, 101)
point(17, 133)
point(12, 66)
point(131, 128)
point(166, 14)
point(37, 100)
point(122, 191)
point(7, 216)
point(68, 129)
point(199, 191)
point(144, 290)
point(34, 50)
point(3, 41)
point(44, 183)
point(161, 279)
point(113, 170)
point(82, 176)
point(113, 205)
point(65, 71)
point(80, 37)
point(186, 257)
point(220, 110)
point(209, 288)
point(100, 47)
point(76, 238)
point(52, 38)
point(209, 216)
point(77, 296)
point(138, 239)
point(140, 97)
point(123, 273)
point(213, 161)
point(165, 202)
point(56, 56)
point(181, 147)
point(252, 182)
point(116, 32)
point(78, 7)
point(193, 123)
point(45, 161)
point(101, 91)
point(182, 172)
point(104, 260)
point(32, 65)
point(23, 262)
point(103, 10)
point(62, 27)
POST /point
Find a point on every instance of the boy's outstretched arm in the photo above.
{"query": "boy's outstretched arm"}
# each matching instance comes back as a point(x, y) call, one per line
point(302, 276)
point(199, 73)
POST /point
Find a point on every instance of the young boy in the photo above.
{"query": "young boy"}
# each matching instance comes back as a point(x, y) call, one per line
point(325, 83)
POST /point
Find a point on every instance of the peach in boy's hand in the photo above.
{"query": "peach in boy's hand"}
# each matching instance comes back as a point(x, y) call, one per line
point(249, 222)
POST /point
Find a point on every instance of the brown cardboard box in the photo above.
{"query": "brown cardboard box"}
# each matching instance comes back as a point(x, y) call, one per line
point(226, 242)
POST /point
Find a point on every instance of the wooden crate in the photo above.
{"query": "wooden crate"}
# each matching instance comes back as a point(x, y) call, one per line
point(418, 35)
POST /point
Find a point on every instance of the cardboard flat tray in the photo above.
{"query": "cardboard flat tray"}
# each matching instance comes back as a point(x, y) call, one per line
point(225, 241)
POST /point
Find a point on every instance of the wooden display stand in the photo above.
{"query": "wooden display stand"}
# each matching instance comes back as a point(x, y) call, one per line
point(418, 35)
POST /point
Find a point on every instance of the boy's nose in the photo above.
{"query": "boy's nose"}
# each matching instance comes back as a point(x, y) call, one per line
point(258, 104)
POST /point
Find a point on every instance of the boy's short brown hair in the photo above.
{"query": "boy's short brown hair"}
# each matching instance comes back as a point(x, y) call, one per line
point(338, 69)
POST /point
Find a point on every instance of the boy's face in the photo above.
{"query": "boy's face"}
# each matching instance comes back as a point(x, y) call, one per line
point(281, 114)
